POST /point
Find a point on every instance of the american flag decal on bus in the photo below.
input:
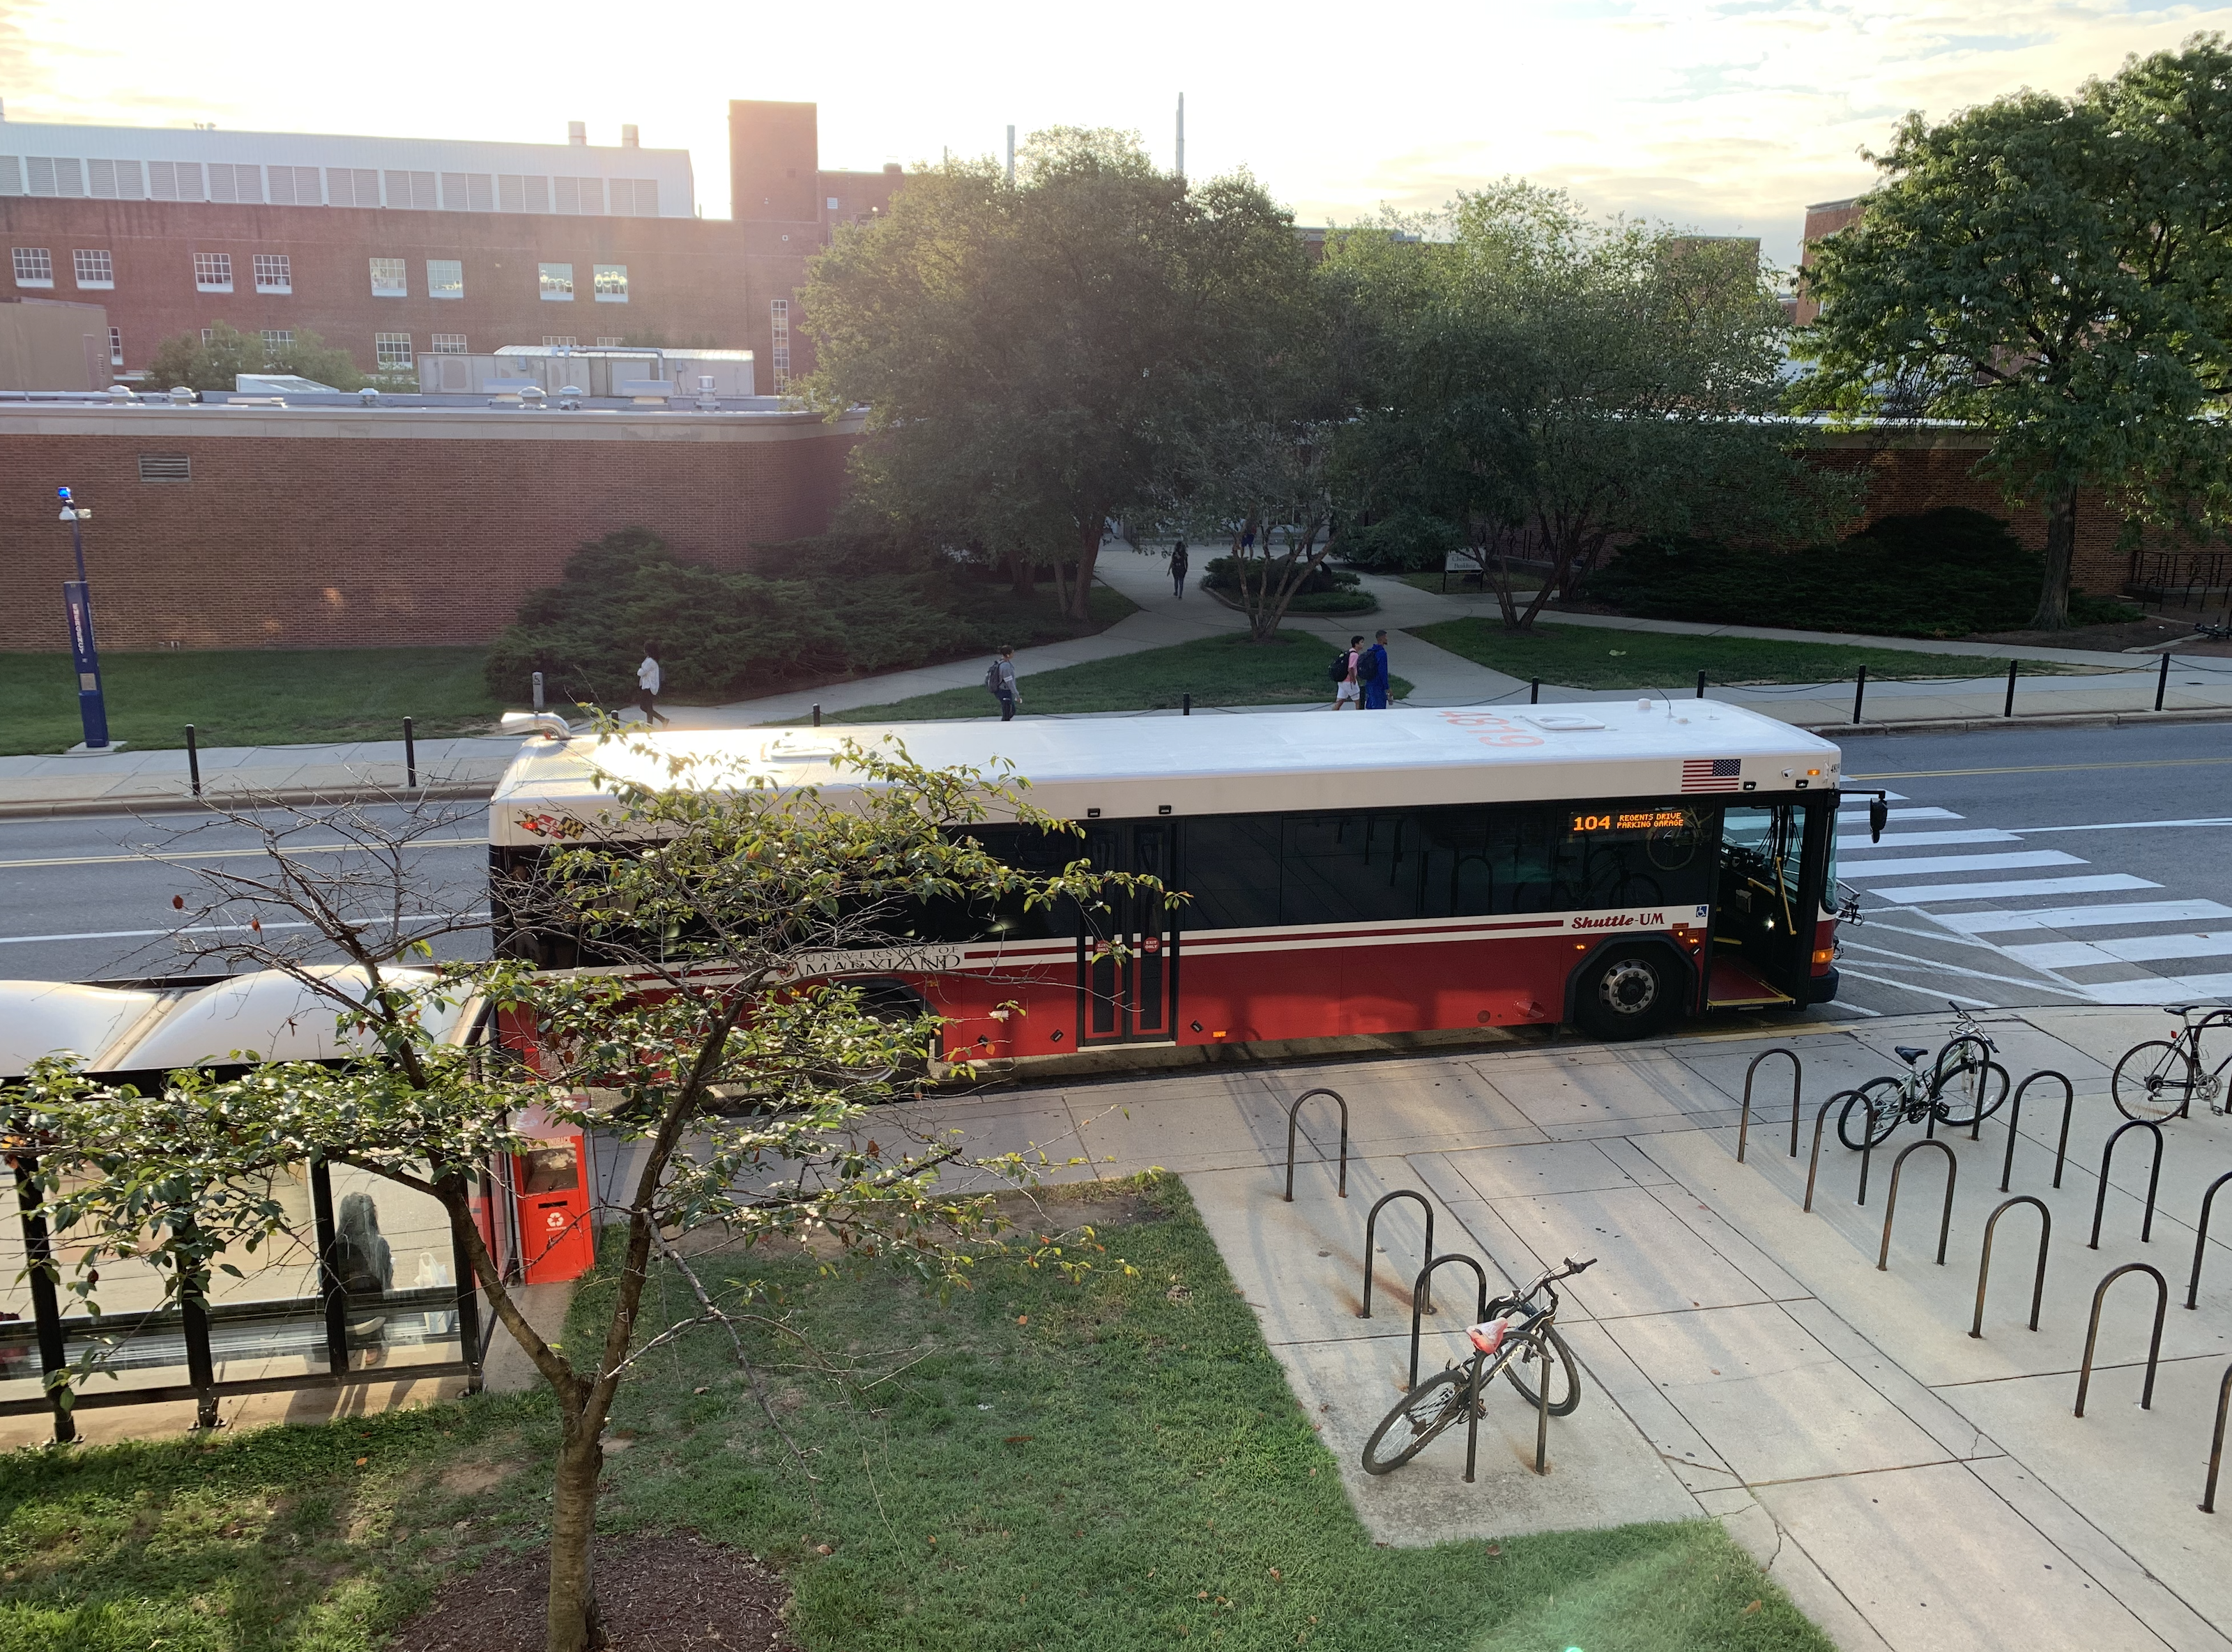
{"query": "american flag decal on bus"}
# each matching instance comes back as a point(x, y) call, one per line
point(1711, 774)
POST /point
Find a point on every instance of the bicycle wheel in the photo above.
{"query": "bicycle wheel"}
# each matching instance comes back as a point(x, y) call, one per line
point(1565, 1375)
point(1417, 1417)
point(1968, 1084)
point(2154, 1081)
point(1852, 1116)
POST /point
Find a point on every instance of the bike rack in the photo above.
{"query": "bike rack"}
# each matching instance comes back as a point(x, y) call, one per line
point(1984, 1267)
point(1743, 1129)
point(1419, 1296)
point(2092, 1332)
point(2201, 1239)
point(1292, 1121)
point(2154, 1176)
point(1373, 1221)
point(1813, 1165)
point(1890, 1201)
point(1867, 1151)
point(2014, 1119)
point(1542, 1414)
point(2217, 1441)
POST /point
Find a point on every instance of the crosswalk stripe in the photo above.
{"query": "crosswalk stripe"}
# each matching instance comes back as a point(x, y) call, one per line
point(2162, 990)
point(1916, 865)
point(2098, 883)
point(1904, 839)
point(2131, 949)
point(2082, 917)
point(1849, 813)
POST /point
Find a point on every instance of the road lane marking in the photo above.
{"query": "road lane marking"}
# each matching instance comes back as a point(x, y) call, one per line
point(2082, 917)
point(2131, 949)
point(238, 854)
point(1917, 865)
point(2099, 883)
point(2123, 825)
point(1908, 959)
point(2041, 769)
point(1907, 839)
point(219, 929)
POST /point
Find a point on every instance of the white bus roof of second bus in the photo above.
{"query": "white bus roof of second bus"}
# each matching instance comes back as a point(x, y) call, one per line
point(1228, 763)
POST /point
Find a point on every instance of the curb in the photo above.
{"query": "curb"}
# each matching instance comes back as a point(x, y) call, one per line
point(166, 803)
point(2049, 720)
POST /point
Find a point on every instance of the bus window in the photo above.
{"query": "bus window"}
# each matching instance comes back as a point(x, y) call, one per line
point(1231, 871)
point(1353, 868)
point(1761, 852)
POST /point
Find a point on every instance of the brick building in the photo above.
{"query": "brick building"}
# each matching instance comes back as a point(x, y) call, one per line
point(395, 248)
point(245, 526)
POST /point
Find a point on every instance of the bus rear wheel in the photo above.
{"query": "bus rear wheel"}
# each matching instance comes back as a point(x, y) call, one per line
point(1628, 993)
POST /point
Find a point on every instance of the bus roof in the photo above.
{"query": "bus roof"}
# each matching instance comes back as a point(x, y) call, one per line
point(1244, 762)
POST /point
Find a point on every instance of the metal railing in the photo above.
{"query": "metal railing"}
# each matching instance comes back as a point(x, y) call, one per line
point(1984, 1266)
point(2154, 1178)
point(2201, 1239)
point(2015, 1121)
point(1372, 1222)
point(1293, 1120)
point(2092, 1332)
point(1418, 1290)
point(1890, 1201)
point(1797, 1073)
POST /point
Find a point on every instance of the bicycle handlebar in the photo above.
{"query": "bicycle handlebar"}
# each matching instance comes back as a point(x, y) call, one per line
point(1548, 1276)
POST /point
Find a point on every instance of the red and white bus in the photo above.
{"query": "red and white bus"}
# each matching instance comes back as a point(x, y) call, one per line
point(1612, 865)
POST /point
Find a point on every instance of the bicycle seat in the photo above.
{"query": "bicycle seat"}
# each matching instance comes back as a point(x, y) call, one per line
point(2179, 1010)
point(1909, 1053)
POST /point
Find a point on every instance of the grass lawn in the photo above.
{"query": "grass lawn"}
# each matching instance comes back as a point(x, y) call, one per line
point(1430, 579)
point(250, 697)
point(1111, 1465)
point(1216, 670)
point(998, 611)
point(1590, 656)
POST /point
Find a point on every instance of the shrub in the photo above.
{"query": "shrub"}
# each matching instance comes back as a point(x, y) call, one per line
point(1223, 573)
point(1946, 573)
point(1401, 544)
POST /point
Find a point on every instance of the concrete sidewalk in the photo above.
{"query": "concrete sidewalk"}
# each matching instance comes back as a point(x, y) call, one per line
point(1744, 1359)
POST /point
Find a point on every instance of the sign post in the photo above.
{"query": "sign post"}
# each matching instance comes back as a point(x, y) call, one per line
point(85, 656)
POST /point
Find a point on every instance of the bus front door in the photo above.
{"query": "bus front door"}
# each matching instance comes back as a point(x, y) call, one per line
point(1759, 931)
point(1127, 973)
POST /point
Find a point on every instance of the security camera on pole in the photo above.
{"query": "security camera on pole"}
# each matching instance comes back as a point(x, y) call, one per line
point(77, 600)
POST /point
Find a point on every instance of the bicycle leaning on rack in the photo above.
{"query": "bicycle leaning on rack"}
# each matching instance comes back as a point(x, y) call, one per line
point(1961, 1085)
point(2159, 1079)
point(1518, 1333)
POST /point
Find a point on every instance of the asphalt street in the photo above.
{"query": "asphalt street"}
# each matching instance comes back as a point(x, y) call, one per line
point(2023, 867)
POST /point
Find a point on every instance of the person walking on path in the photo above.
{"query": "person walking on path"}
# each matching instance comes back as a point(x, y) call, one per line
point(1000, 679)
point(648, 679)
point(1346, 666)
point(1178, 569)
point(1374, 673)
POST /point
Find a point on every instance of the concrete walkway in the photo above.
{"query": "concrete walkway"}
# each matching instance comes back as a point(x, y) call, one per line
point(1913, 1488)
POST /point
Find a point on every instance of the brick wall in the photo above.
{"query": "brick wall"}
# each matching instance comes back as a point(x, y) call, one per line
point(316, 528)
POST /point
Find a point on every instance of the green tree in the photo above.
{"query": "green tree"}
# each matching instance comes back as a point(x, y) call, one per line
point(1032, 355)
point(214, 362)
point(1551, 385)
point(2055, 271)
point(738, 1097)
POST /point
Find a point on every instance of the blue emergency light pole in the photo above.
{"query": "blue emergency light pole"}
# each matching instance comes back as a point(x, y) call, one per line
point(77, 600)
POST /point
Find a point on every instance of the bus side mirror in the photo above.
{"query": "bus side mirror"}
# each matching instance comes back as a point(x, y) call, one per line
point(1879, 817)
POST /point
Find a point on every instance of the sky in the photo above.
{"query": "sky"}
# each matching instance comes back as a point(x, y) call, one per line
point(1725, 117)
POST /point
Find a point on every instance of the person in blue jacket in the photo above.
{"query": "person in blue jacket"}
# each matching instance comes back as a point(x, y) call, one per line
point(1372, 669)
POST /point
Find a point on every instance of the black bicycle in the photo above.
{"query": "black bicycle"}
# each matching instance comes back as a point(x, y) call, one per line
point(2158, 1079)
point(1518, 1338)
point(1963, 1085)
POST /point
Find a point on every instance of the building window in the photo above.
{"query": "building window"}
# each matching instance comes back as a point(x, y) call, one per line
point(446, 278)
point(111, 180)
point(278, 339)
point(95, 267)
point(228, 182)
point(213, 272)
point(295, 186)
point(557, 283)
point(634, 197)
point(35, 267)
point(174, 180)
point(551, 341)
point(388, 280)
point(116, 346)
point(612, 283)
point(833, 203)
point(515, 192)
point(610, 344)
point(11, 175)
point(447, 344)
point(468, 192)
point(779, 338)
point(352, 186)
point(585, 196)
point(274, 272)
point(208, 334)
point(392, 349)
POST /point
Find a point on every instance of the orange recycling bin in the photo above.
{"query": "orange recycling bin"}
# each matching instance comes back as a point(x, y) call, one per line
point(550, 1182)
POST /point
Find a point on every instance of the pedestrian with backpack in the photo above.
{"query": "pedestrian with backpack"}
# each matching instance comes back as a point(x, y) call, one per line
point(1000, 678)
point(1179, 566)
point(1343, 672)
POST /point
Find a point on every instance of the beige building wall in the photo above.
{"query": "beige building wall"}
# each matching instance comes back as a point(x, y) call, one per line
point(49, 345)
